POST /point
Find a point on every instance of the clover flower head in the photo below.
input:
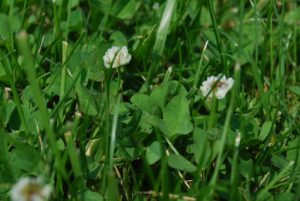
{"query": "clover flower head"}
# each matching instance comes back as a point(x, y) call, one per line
point(30, 189)
point(116, 56)
point(217, 86)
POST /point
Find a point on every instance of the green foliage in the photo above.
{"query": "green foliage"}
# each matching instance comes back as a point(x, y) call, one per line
point(180, 163)
point(86, 100)
point(265, 130)
point(153, 153)
point(176, 116)
point(171, 117)
point(144, 131)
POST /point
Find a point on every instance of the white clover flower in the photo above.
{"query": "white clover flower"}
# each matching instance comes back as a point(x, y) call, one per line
point(30, 189)
point(116, 56)
point(216, 86)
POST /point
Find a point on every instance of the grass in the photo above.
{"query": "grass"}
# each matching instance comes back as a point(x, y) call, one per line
point(144, 131)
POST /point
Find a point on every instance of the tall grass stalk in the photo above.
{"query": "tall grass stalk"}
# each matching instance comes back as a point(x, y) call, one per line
point(17, 99)
point(44, 116)
point(161, 36)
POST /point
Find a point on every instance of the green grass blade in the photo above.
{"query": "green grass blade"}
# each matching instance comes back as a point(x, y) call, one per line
point(276, 178)
point(31, 76)
point(164, 27)
point(161, 36)
point(113, 134)
point(17, 98)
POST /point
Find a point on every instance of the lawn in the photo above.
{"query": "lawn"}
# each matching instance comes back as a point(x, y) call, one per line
point(149, 100)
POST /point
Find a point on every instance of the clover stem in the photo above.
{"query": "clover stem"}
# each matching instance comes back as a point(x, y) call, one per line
point(213, 113)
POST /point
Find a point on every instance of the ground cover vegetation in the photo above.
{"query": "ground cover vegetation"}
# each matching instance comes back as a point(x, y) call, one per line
point(149, 100)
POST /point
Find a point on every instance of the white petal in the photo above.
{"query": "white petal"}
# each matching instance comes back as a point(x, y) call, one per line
point(223, 78)
point(46, 191)
point(116, 56)
point(220, 89)
point(230, 83)
point(20, 190)
point(220, 94)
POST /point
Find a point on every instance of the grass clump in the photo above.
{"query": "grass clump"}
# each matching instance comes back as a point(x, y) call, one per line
point(150, 100)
